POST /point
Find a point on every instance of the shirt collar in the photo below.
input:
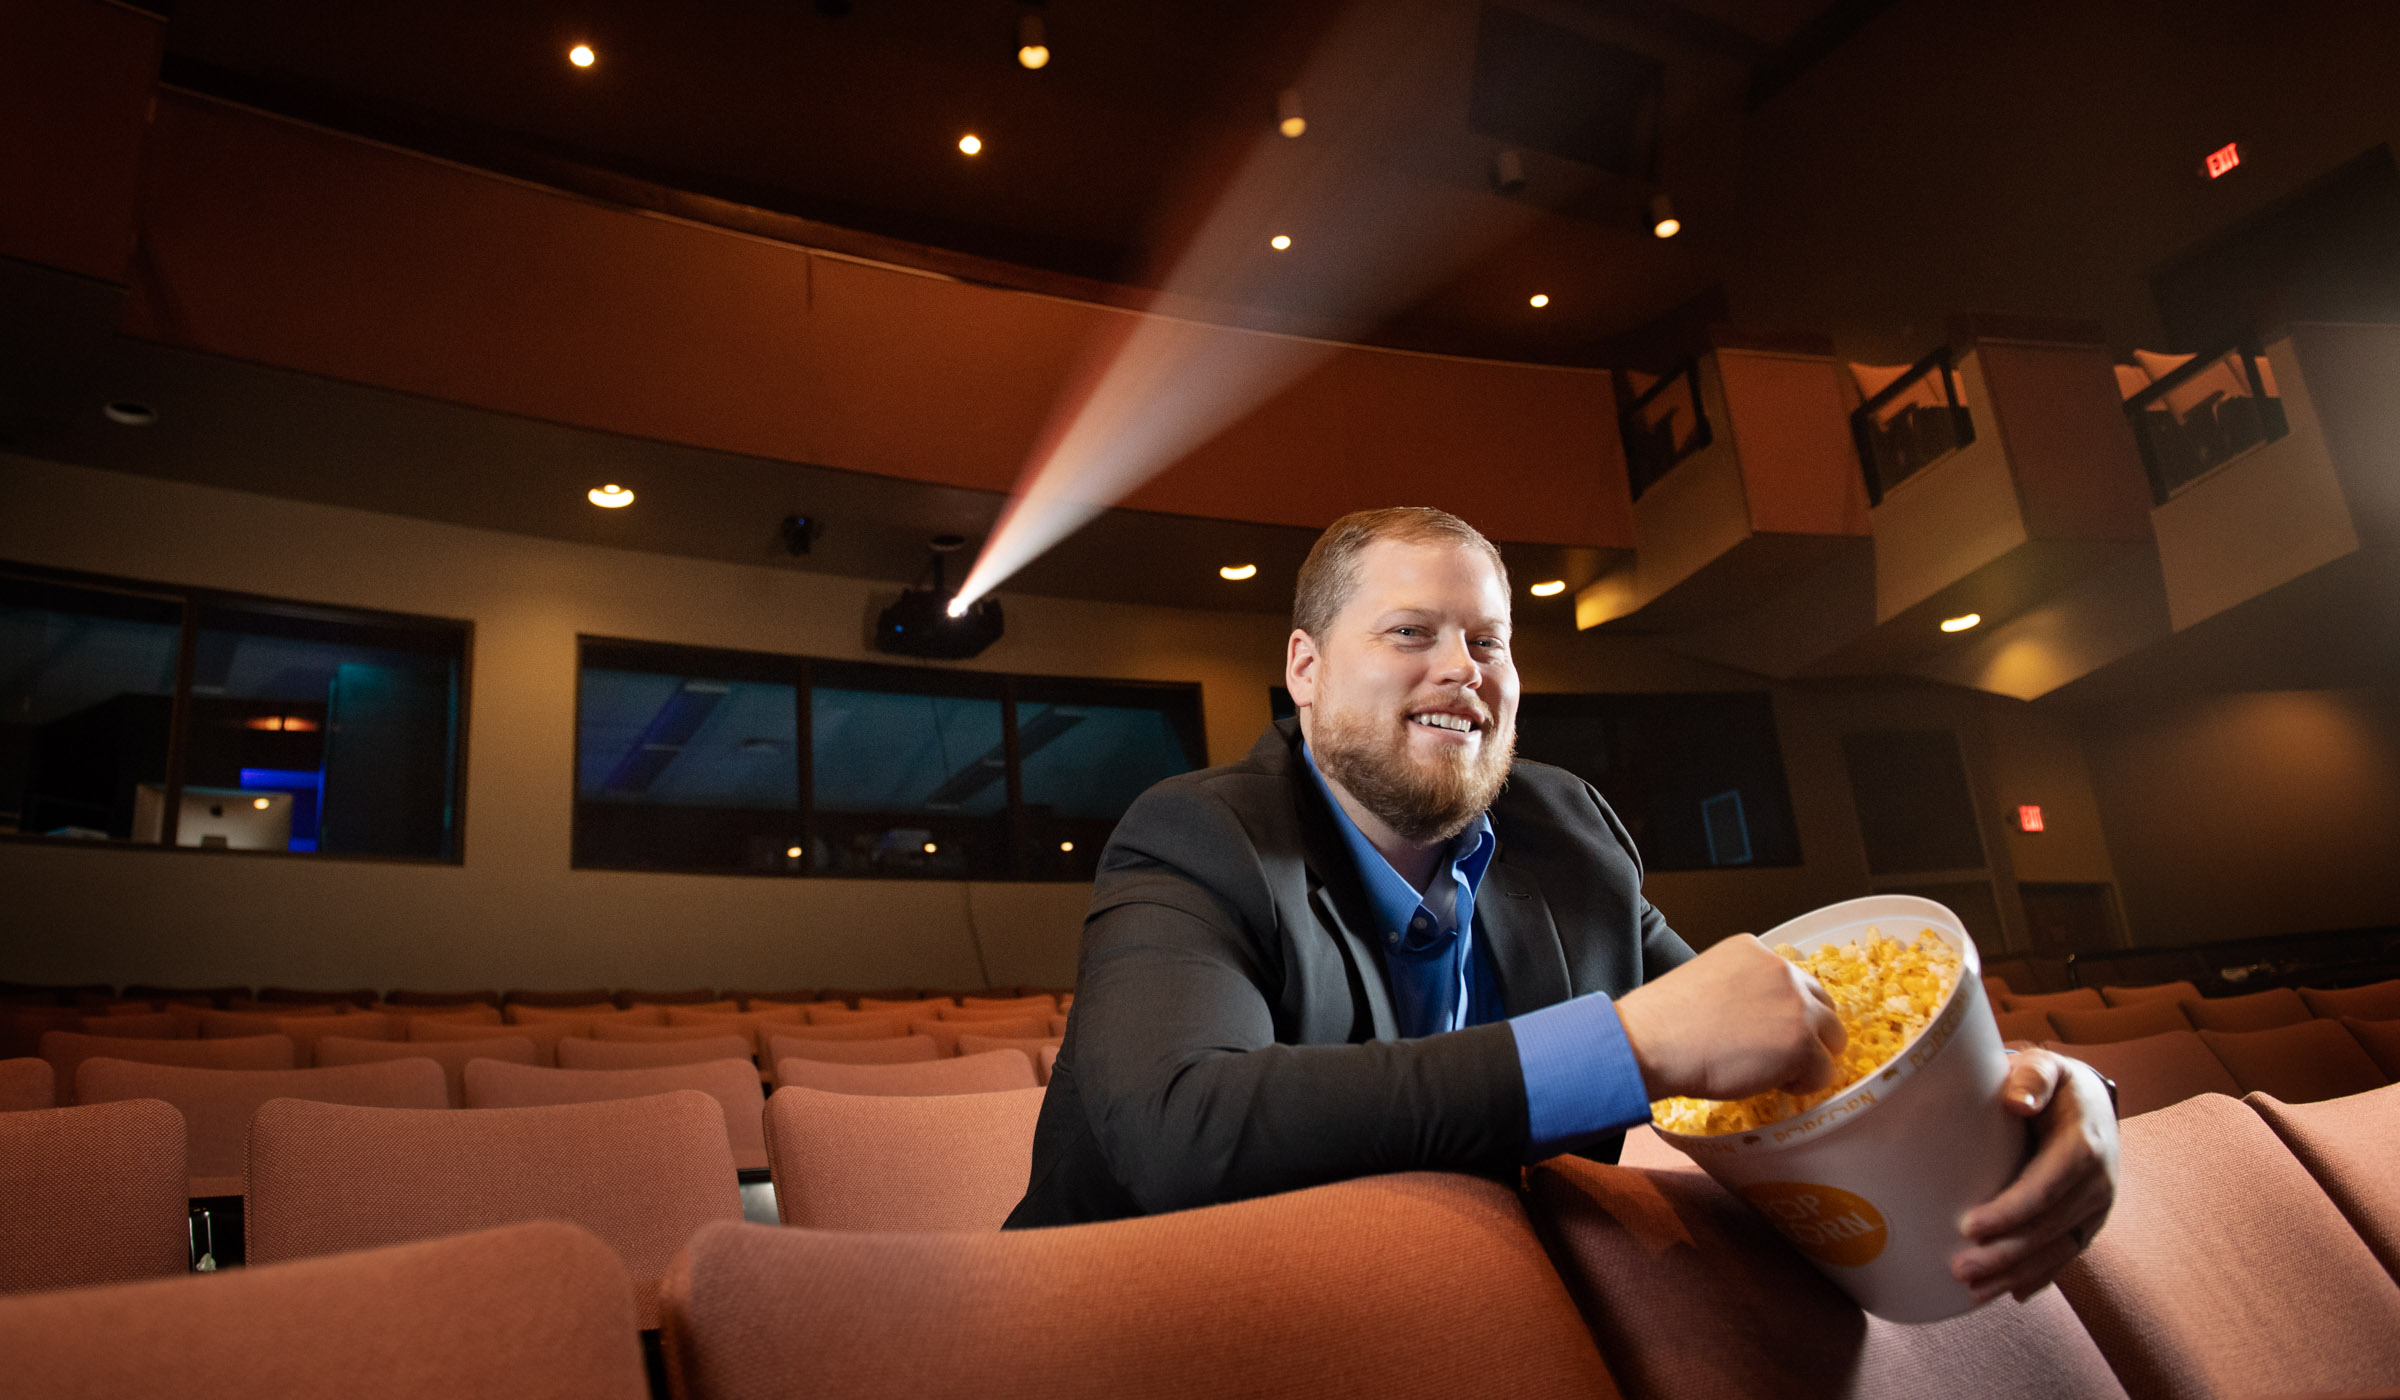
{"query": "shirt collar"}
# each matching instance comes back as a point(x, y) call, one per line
point(1396, 902)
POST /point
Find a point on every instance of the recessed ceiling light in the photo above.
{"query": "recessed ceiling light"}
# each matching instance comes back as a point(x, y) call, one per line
point(610, 496)
point(1663, 222)
point(581, 56)
point(1280, 242)
point(1961, 623)
point(1548, 589)
point(261, 803)
point(1066, 846)
point(791, 852)
point(1235, 573)
point(129, 413)
point(1288, 117)
point(930, 848)
point(970, 143)
point(1538, 300)
point(1033, 47)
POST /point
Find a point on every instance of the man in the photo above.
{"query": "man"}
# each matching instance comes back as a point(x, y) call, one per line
point(1376, 945)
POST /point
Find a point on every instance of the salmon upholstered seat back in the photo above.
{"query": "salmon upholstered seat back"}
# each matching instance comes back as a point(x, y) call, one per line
point(990, 1072)
point(642, 1174)
point(1317, 1292)
point(27, 1081)
point(521, 1313)
point(451, 1055)
point(640, 1052)
point(217, 1104)
point(67, 1050)
point(879, 1050)
point(732, 1082)
point(90, 1195)
point(2349, 1145)
point(2155, 1070)
point(898, 1162)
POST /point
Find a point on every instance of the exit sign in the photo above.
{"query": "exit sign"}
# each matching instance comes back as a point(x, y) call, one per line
point(2029, 818)
point(2222, 159)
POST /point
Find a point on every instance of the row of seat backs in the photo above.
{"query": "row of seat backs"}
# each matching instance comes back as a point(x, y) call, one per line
point(238, 998)
point(2251, 1251)
point(2090, 1015)
point(97, 1193)
point(2304, 1063)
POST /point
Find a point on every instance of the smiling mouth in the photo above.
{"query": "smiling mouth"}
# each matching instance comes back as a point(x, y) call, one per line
point(1455, 724)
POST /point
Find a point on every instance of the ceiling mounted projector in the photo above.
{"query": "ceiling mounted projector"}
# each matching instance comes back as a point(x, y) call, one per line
point(920, 624)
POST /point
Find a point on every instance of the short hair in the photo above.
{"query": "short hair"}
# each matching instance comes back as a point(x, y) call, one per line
point(1330, 574)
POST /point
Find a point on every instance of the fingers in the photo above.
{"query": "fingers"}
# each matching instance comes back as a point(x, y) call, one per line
point(2033, 1078)
point(2070, 1162)
point(1823, 1022)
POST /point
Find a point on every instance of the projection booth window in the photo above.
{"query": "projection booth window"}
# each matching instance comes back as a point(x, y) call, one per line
point(753, 763)
point(143, 714)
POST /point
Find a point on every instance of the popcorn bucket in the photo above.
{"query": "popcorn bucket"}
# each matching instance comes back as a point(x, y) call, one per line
point(1869, 1184)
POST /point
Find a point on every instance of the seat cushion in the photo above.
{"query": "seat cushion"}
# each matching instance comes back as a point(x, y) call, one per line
point(2128, 1022)
point(2300, 1063)
point(2350, 1145)
point(2253, 1011)
point(2377, 1001)
point(2155, 991)
point(2079, 999)
point(2155, 1070)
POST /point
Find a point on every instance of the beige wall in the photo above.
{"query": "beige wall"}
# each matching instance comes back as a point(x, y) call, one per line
point(515, 912)
point(2232, 816)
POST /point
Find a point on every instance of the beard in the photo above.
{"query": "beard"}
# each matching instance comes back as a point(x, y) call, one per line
point(1425, 800)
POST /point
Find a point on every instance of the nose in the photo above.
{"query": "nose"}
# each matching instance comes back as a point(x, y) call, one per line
point(1455, 663)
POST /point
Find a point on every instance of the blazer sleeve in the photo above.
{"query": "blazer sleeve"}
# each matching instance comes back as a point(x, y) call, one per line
point(1189, 1097)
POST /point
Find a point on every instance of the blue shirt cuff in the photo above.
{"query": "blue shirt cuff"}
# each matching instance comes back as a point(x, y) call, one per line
point(1580, 1077)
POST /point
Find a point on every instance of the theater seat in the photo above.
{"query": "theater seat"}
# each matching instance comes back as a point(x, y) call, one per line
point(2377, 1001)
point(471, 1013)
point(891, 1162)
point(993, 1071)
point(2029, 1025)
point(693, 996)
point(530, 1312)
point(946, 1033)
point(732, 1082)
point(642, 1174)
point(854, 1027)
point(545, 1035)
point(1646, 1149)
point(612, 1053)
point(304, 1031)
point(2079, 999)
point(1031, 1047)
point(67, 1050)
point(2300, 1063)
point(27, 1082)
point(1418, 1287)
point(2131, 1021)
point(438, 1000)
point(2381, 1041)
point(1037, 1002)
point(881, 1050)
point(2255, 1011)
point(582, 1019)
point(2155, 991)
point(2155, 1070)
point(1691, 1294)
point(149, 1025)
point(217, 1104)
point(2224, 1269)
point(2350, 1145)
point(89, 1195)
point(451, 1055)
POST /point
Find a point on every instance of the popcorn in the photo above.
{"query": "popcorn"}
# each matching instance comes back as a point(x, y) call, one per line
point(1884, 992)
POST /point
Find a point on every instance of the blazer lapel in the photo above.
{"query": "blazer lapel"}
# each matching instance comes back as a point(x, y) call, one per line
point(1338, 899)
point(1512, 915)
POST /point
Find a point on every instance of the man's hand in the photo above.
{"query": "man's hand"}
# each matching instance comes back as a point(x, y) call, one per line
point(1734, 1021)
point(2021, 1238)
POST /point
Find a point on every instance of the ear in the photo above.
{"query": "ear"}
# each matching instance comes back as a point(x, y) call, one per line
point(1300, 668)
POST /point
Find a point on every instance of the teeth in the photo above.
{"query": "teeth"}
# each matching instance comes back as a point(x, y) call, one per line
point(1459, 723)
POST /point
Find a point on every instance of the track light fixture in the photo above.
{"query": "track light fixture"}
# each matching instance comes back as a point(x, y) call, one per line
point(1289, 119)
point(1663, 223)
point(1033, 45)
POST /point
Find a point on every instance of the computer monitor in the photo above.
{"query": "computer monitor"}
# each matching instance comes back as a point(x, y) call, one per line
point(227, 818)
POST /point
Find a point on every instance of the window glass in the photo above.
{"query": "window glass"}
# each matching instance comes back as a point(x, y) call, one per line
point(87, 695)
point(315, 733)
point(910, 782)
point(687, 760)
point(1697, 779)
point(1087, 753)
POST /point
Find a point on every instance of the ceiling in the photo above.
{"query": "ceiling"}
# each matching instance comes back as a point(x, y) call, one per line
point(1100, 172)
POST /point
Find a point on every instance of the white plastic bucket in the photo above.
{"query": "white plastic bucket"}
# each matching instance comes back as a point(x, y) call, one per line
point(1870, 1184)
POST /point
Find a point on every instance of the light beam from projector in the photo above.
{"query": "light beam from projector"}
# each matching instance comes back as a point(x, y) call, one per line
point(1384, 197)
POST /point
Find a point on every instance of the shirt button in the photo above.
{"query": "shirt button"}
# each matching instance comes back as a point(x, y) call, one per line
point(1392, 938)
point(1418, 923)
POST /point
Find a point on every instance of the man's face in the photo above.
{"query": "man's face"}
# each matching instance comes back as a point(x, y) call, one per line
point(1410, 701)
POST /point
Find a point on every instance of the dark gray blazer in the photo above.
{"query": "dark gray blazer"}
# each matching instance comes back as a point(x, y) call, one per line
point(1232, 1034)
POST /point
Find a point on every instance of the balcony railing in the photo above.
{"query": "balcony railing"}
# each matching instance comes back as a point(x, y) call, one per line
point(1910, 423)
point(1664, 424)
point(2200, 412)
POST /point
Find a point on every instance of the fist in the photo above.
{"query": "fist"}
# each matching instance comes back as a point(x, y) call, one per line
point(1736, 1020)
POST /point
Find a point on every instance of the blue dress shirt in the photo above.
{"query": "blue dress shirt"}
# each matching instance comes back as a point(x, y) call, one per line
point(1580, 1077)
